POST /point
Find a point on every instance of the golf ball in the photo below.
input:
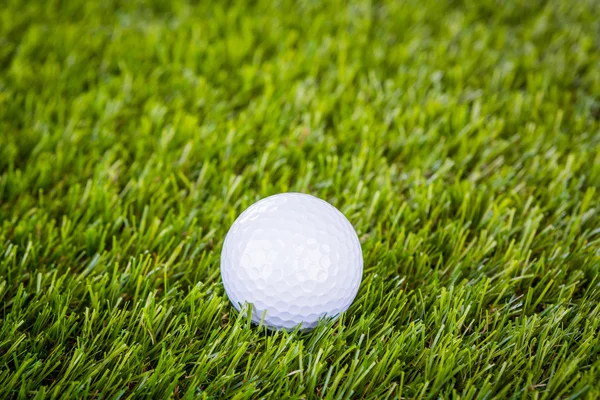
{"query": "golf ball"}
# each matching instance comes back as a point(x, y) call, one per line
point(295, 258)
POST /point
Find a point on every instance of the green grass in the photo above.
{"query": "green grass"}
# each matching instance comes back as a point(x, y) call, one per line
point(462, 140)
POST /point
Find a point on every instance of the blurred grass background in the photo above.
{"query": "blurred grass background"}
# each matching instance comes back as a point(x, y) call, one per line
point(461, 138)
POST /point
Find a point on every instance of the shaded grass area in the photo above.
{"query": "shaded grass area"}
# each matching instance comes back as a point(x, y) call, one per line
point(461, 139)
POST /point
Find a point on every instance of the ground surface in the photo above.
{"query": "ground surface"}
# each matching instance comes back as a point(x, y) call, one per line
point(461, 139)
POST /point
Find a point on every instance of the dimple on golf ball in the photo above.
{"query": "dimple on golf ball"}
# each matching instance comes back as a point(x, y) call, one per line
point(295, 258)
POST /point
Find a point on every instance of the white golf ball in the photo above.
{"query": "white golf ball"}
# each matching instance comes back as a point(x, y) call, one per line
point(295, 258)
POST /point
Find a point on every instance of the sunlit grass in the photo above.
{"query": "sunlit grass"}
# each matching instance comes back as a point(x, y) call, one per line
point(461, 139)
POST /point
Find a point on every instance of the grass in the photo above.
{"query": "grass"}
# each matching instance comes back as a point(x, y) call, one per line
point(462, 140)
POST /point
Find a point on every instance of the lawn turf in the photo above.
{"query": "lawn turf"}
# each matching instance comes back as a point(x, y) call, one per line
point(461, 139)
